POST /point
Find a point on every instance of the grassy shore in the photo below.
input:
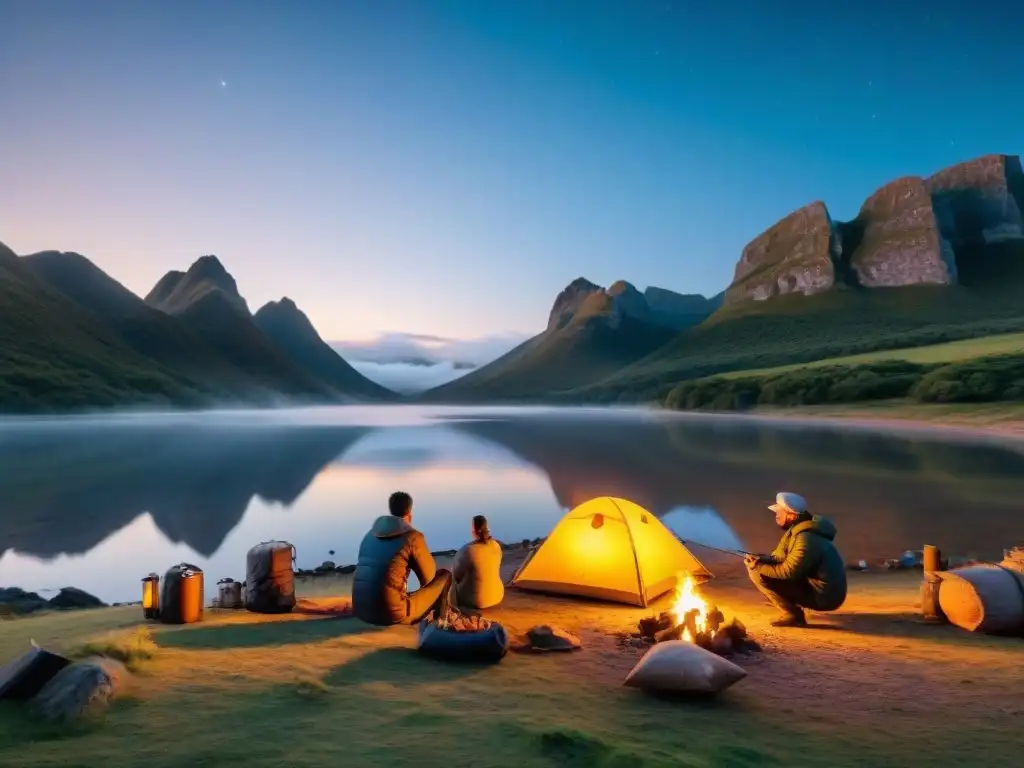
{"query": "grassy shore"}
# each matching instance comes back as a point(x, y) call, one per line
point(1002, 419)
point(867, 686)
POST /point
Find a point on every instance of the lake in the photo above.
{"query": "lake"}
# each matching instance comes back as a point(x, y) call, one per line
point(99, 502)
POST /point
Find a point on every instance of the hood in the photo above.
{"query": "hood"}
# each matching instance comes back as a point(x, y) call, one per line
point(821, 526)
point(389, 526)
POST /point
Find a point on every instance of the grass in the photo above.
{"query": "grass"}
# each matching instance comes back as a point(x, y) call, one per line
point(953, 351)
point(871, 688)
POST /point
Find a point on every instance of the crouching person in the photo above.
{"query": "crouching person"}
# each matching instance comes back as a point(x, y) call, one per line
point(805, 570)
point(388, 553)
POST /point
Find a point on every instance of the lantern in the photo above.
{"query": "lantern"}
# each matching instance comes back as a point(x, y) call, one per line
point(151, 596)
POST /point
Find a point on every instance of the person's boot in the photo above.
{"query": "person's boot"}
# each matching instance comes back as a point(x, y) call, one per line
point(791, 620)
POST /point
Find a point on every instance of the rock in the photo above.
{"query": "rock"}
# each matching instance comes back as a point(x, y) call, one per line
point(569, 302)
point(325, 567)
point(797, 255)
point(20, 602)
point(979, 201)
point(86, 688)
point(899, 239)
point(628, 301)
point(346, 569)
point(71, 597)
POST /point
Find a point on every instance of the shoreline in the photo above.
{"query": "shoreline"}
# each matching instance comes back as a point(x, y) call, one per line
point(1002, 423)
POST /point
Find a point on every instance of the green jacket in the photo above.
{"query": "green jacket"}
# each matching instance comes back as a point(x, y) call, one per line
point(806, 553)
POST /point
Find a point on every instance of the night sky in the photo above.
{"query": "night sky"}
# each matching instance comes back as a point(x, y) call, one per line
point(447, 167)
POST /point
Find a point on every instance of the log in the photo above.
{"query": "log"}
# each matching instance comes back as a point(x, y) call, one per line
point(932, 558)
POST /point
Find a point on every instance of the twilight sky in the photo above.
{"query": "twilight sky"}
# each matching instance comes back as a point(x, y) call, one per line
point(446, 167)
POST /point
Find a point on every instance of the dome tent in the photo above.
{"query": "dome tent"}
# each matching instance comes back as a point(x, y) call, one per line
point(609, 549)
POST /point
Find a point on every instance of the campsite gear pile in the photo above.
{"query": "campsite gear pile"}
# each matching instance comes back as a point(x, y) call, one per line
point(181, 598)
point(270, 578)
point(608, 549)
point(229, 594)
point(677, 666)
point(985, 597)
point(463, 639)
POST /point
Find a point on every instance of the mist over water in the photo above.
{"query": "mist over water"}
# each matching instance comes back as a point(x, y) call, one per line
point(97, 502)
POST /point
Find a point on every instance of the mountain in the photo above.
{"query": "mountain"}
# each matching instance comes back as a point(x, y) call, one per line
point(148, 331)
point(591, 333)
point(925, 260)
point(290, 330)
point(55, 353)
point(72, 337)
point(206, 300)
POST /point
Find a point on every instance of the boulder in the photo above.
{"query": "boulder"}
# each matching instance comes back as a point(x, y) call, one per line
point(20, 602)
point(797, 255)
point(83, 689)
point(900, 243)
point(71, 597)
point(980, 201)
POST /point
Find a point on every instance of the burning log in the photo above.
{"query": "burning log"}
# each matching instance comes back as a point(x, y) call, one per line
point(693, 620)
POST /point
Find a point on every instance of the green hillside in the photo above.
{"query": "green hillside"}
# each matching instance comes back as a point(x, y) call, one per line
point(148, 331)
point(54, 354)
point(795, 330)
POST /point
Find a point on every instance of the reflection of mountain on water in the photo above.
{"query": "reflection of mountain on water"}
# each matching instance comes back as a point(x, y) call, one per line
point(885, 492)
point(64, 491)
point(703, 525)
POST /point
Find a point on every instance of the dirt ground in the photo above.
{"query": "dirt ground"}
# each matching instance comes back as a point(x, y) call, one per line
point(869, 685)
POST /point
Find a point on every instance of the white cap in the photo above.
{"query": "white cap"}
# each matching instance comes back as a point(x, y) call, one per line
point(789, 502)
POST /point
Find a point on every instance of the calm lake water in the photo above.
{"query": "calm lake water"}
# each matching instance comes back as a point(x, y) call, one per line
point(98, 503)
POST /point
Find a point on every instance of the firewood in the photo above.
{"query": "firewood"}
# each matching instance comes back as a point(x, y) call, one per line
point(672, 633)
point(715, 619)
point(722, 644)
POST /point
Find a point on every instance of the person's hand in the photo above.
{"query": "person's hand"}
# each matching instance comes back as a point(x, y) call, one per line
point(751, 561)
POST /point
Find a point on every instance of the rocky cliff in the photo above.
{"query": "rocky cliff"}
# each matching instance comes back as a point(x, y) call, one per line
point(899, 239)
point(582, 300)
point(980, 200)
point(797, 255)
point(912, 231)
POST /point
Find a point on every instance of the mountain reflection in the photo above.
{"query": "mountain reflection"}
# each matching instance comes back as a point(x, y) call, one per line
point(65, 489)
point(886, 492)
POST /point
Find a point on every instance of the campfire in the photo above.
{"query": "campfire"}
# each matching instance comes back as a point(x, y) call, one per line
point(692, 619)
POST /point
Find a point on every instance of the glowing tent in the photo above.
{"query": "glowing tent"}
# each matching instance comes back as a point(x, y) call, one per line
point(609, 549)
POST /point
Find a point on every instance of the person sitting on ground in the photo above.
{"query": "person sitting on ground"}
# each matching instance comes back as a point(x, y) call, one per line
point(389, 551)
point(805, 570)
point(477, 570)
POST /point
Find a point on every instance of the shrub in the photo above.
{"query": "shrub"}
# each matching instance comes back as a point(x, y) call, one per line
point(986, 379)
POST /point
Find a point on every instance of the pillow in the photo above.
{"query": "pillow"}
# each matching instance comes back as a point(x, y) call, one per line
point(677, 666)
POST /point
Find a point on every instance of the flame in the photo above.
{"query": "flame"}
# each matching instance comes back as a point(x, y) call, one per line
point(687, 599)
